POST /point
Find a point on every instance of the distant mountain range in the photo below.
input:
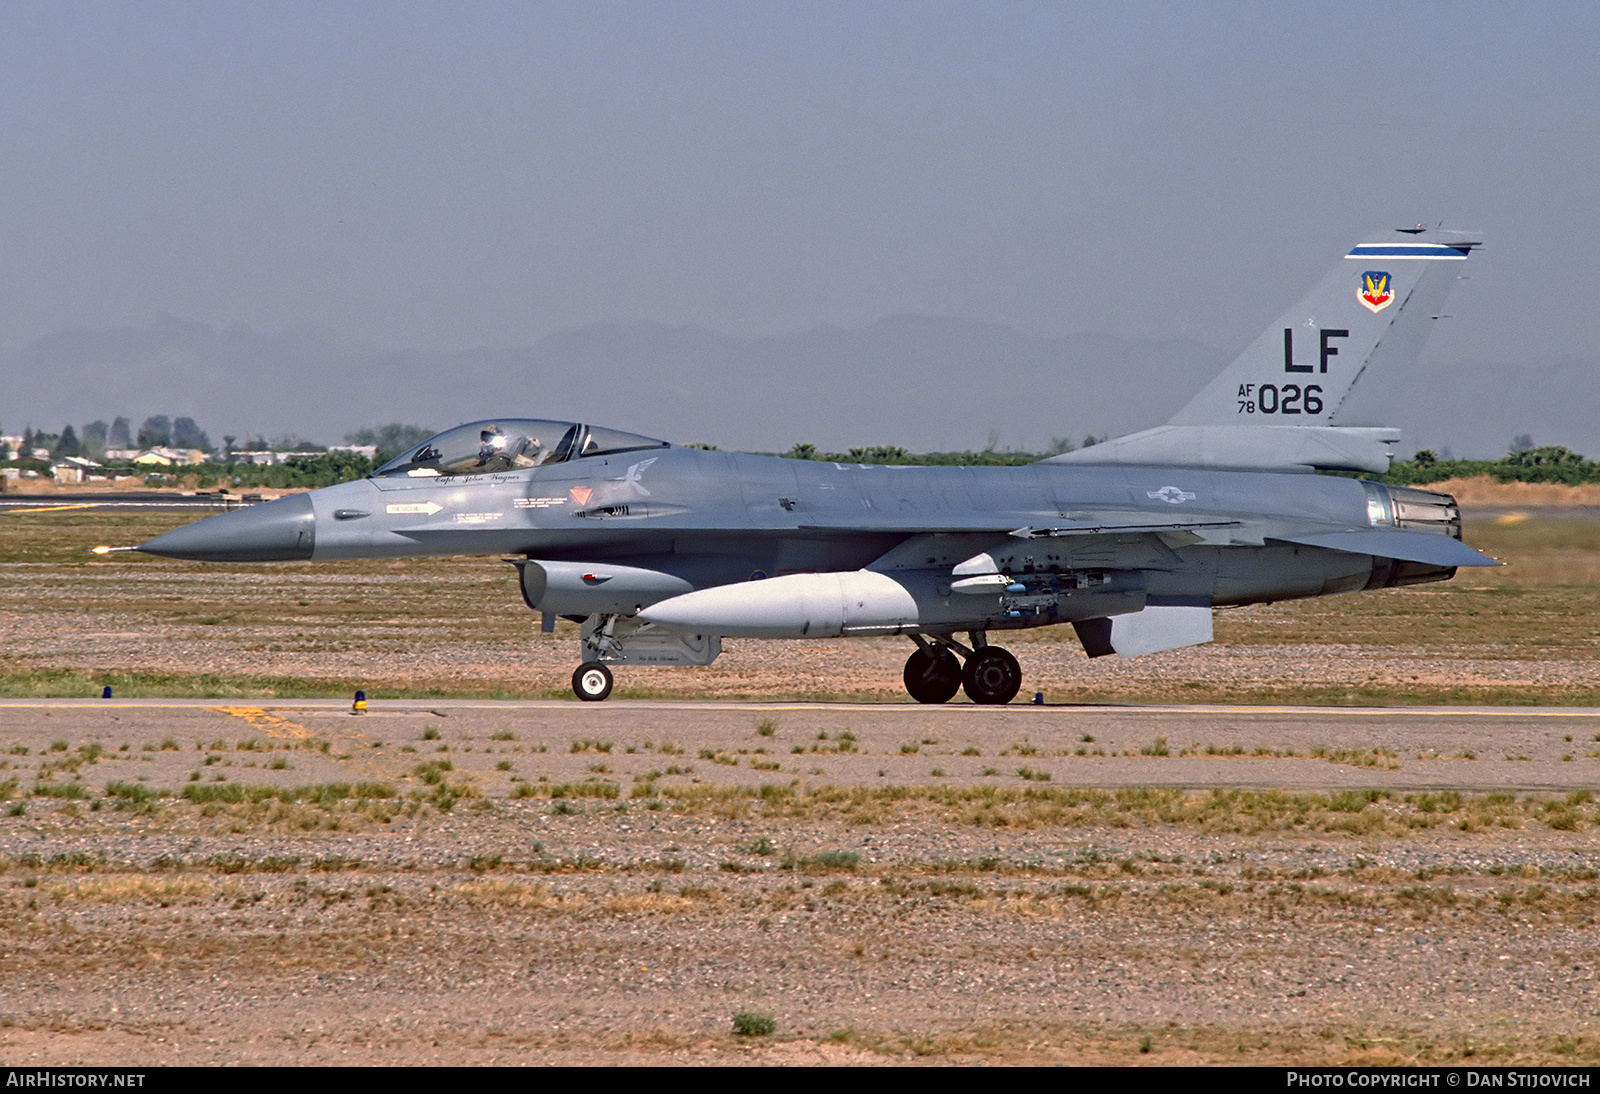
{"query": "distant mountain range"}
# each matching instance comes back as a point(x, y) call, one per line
point(922, 383)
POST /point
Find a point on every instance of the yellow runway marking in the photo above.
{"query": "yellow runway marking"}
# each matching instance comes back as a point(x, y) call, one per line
point(1377, 712)
point(270, 724)
point(20, 511)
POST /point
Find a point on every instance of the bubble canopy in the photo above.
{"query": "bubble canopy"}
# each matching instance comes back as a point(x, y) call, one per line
point(510, 444)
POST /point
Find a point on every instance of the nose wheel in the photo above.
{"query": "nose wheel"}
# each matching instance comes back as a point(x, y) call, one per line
point(991, 676)
point(592, 681)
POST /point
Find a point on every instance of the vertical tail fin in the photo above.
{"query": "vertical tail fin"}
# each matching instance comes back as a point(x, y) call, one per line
point(1373, 312)
point(1278, 405)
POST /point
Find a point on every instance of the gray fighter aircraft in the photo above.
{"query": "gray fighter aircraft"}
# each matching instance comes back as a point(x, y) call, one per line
point(662, 551)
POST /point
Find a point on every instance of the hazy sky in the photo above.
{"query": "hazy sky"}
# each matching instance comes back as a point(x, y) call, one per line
point(449, 176)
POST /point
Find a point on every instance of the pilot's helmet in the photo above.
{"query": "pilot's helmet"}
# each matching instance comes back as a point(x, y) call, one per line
point(493, 438)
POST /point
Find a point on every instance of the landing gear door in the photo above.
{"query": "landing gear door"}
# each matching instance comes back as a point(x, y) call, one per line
point(621, 640)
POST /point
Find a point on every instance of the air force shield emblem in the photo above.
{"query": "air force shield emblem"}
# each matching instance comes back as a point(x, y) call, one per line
point(1376, 291)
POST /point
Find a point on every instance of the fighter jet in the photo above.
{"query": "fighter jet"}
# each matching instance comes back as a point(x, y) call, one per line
point(662, 551)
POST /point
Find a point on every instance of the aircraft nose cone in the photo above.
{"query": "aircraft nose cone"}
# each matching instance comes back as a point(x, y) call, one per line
point(275, 531)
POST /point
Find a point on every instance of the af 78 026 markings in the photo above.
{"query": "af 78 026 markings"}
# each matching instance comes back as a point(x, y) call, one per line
point(661, 551)
point(1273, 399)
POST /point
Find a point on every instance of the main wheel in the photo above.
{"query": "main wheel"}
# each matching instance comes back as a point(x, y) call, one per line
point(592, 681)
point(933, 675)
point(991, 675)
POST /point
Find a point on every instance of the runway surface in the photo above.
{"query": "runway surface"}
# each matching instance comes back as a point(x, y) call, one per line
point(120, 501)
point(1533, 749)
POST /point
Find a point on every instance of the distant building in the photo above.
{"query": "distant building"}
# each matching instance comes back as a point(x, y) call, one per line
point(73, 469)
point(270, 458)
point(168, 457)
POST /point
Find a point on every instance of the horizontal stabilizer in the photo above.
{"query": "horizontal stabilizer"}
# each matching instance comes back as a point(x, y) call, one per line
point(1253, 447)
point(1427, 547)
point(1156, 628)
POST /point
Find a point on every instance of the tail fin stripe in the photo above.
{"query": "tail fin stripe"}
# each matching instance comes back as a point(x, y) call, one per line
point(1412, 250)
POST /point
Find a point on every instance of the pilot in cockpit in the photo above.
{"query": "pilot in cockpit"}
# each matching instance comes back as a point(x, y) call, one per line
point(509, 444)
point(494, 445)
point(500, 452)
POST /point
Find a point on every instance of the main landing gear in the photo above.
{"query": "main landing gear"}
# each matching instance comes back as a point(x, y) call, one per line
point(933, 675)
point(991, 676)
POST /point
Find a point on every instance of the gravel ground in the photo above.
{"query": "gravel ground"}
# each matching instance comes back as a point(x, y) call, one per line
point(1386, 929)
point(598, 937)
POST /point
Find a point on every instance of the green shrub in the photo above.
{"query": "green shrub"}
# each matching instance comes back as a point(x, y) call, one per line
point(748, 1023)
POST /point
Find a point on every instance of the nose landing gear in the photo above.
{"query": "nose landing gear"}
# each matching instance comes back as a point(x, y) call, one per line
point(592, 681)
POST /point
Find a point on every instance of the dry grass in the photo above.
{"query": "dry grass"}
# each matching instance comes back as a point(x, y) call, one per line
point(136, 888)
point(517, 895)
point(1237, 812)
point(1339, 1044)
point(651, 915)
point(1137, 888)
point(1482, 492)
point(651, 903)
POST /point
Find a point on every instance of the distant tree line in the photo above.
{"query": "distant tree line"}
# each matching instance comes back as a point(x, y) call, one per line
point(312, 466)
point(989, 456)
point(94, 439)
point(308, 472)
point(1524, 463)
point(1549, 463)
point(391, 439)
point(315, 466)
